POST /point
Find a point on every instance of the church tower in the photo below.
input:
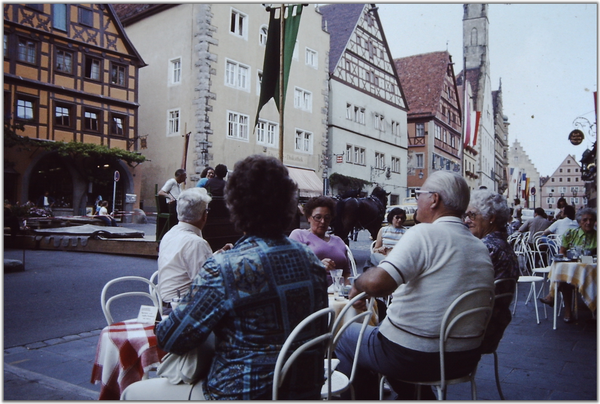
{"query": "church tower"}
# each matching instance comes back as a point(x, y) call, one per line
point(477, 72)
point(475, 36)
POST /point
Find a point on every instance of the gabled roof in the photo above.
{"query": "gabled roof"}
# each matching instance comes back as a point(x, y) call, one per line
point(473, 78)
point(422, 78)
point(341, 20)
point(130, 13)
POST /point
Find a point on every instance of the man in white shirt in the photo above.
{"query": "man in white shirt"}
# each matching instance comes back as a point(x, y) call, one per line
point(561, 226)
point(173, 187)
point(430, 266)
point(169, 192)
point(182, 250)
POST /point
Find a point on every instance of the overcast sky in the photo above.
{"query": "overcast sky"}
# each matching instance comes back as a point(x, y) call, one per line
point(545, 55)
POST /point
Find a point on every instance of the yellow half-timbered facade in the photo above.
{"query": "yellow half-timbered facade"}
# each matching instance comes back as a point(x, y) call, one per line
point(70, 74)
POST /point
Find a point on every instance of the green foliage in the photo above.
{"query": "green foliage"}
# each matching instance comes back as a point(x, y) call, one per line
point(76, 150)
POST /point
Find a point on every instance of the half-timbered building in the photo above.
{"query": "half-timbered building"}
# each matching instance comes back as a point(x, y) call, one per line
point(70, 74)
point(434, 119)
point(367, 106)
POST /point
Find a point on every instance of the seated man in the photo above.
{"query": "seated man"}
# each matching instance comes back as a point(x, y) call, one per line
point(430, 266)
point(182, 249)
point(251, 297)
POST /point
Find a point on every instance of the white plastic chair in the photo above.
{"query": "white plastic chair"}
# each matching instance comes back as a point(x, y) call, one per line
point(153, 295)
point(337, 382)
point(284, 362)
point(154, 280)
point(530, 279)
point(463, 310)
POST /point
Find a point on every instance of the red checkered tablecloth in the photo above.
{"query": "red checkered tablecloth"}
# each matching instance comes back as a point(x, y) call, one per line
point(125, 351)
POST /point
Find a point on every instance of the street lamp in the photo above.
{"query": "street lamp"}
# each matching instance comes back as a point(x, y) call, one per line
point(420, 174)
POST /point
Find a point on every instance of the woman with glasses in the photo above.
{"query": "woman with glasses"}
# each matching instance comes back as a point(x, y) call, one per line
point(329, 248)
point(487, 217)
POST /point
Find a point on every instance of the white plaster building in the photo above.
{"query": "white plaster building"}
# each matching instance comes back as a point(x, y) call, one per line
point(203, 77)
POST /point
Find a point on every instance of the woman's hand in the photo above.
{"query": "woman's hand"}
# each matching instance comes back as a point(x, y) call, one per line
point(329, 264)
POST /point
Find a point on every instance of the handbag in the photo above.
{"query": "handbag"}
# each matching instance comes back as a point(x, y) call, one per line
point(189, 367)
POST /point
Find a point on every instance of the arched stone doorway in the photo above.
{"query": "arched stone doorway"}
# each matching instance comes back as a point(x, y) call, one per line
point(52, 174)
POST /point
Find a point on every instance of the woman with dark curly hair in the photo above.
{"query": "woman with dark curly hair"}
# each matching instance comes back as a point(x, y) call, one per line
point(206, 175)
point(329, 248)
point(251, 297)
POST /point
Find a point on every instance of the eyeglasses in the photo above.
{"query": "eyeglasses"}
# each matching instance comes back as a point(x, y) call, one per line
point(470, 215)
point(419, 191)
point(318, 218)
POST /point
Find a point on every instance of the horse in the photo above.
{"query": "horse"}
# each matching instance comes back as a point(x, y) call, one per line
point(361, 213)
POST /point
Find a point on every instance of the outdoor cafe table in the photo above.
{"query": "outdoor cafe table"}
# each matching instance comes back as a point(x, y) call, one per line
point(580, 275)
point(125, 351)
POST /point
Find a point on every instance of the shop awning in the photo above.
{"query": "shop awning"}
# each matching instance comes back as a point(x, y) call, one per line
point(309, 183)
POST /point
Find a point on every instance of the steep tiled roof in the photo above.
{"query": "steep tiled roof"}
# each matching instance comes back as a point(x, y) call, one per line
point(129, 13)
point(341, 20)
point(422, 79)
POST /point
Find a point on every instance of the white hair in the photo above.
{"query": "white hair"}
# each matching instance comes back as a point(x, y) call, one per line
point(192, 203)
point(452, 189)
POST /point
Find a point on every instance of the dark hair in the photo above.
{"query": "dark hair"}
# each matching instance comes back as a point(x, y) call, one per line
point(517, 201)
point(394, 212)
point(261, 196)
point(540, 212)
point(179, 172)
point(319, 201)
point(205, 172)
point(561, 203)
point(221, 171)
point(569, 212)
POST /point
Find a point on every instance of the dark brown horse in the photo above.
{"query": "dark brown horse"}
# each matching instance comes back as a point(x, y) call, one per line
point(361, 213)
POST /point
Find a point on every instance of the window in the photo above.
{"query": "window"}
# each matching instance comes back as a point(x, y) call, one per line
point(359, 155)
point(237, 126)
point(302, 99)
point(92, 68)
point(395, 128)
point(348, 153)
point(236, 75)
point(349, 108)
point(262, 35)
point(453, 141)
point(311, 58)
point(117, 75)
point(359, 115)
point(420, 160)
point(64, 61)
point(59, 16)
point(175, 71)
point(259, 76)
point(91, 120)
point(395, 164)
point(267, 133)
point(379, 122)
point(118, 125)
point(62, 115)
point(379, 160)
point(173, 122)
point(26, 108)
point(86, 17)
point(438, 132)
point(27, 50)
point(303, 141)
point(420, 129)
point(5, 45)
point(238, 23)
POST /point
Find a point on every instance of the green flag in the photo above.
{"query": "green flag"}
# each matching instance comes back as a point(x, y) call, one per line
point(270, 79)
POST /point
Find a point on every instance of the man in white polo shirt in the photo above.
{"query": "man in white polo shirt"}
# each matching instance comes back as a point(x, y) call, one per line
point(432, 264)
